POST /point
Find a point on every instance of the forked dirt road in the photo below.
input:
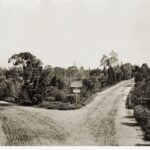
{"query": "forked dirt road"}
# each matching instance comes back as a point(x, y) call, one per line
point(104, 121)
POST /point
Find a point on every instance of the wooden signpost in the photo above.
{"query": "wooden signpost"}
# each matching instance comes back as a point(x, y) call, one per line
point(76, 86)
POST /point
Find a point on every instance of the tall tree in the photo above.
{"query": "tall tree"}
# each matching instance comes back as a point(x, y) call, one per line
point(81, 74)
point(127, 70)
point(145, 71)
point(111, 75)
point(58, 71)
point(104, 61)
point(113, 59)
point(71, 72)
point(31, 73)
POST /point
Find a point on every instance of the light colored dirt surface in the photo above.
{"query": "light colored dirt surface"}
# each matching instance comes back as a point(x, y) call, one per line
point(127, 127)
point(104, 121)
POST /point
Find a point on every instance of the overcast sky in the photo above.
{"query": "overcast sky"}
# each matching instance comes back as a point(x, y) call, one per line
point(64, 32)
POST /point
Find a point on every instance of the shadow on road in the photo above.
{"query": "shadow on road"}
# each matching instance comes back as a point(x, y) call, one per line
point(130, 124)
point(5, 104)
point(129, 117)
point(142, 145)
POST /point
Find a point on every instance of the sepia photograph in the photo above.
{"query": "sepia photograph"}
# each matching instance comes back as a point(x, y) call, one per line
point(75, 73)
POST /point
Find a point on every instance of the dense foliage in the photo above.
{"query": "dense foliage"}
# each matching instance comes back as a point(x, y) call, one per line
point(28, 82)
point(139, 98)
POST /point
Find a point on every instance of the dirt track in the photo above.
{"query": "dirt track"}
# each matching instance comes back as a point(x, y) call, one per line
point(104, 121)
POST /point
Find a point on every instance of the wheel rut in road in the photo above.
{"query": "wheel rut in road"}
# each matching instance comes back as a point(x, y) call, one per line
point(25, 128)
point(94, 124)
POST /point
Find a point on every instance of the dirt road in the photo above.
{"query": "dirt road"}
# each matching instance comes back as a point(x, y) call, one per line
point(104, 121)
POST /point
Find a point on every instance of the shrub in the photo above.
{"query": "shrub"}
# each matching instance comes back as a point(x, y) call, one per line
point(89, 83)
point(13, 89)
point(146, 128)
point(141, 114)
point(57, 94)
point(147, 135)
point(3, 92)
point(128, 103)
point(60, 96)
point(57, 105)
point(10, 99)
point(130, 100)
point(138, 77)
point(50, 99)
point(147, 125)
point(63, 106)
point(72, 98)
point(83, 92)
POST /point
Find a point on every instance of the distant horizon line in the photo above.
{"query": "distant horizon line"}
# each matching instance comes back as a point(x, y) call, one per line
point(78, 66)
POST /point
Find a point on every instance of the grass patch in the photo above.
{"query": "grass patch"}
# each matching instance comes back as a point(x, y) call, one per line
point(59, 105)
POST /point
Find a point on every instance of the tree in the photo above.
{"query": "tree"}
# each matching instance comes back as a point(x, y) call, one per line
point(95, 72)
point(47, 76)
point(113, 59)
point(89, 83)
point(58, 71)
point(3, 84)
point(49, 70)
point(71, 72)
point(105, 71)
point(104, 61)
point(108, 64)
point(111, 75)
point(127, 70)
point(145, 71)
point(118, 73)
point(138, 77)
point(31, 73)
point(81, 74)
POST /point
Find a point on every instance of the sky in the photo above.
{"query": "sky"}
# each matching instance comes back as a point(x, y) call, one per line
point(67, 32)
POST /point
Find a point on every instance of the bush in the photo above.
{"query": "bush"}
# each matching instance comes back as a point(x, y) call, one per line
point(138, 77)
point(130, 100)
point(50, 99)
point(3, 92)
point(57, 105)
point(60, 96)
point(13, 89)
point(63, 106)
point(72, 98)
point(142, 115)
point(139, 113)
point(147, 130)
point(147, 135)
point(10, 99)
point(89, 83)
point(84, 93)
point(57, 94)
point(146, 127)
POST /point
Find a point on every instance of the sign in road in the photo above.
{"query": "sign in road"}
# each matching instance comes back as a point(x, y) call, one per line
point(76, 84)
point(76, 87)
point(76, 91)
